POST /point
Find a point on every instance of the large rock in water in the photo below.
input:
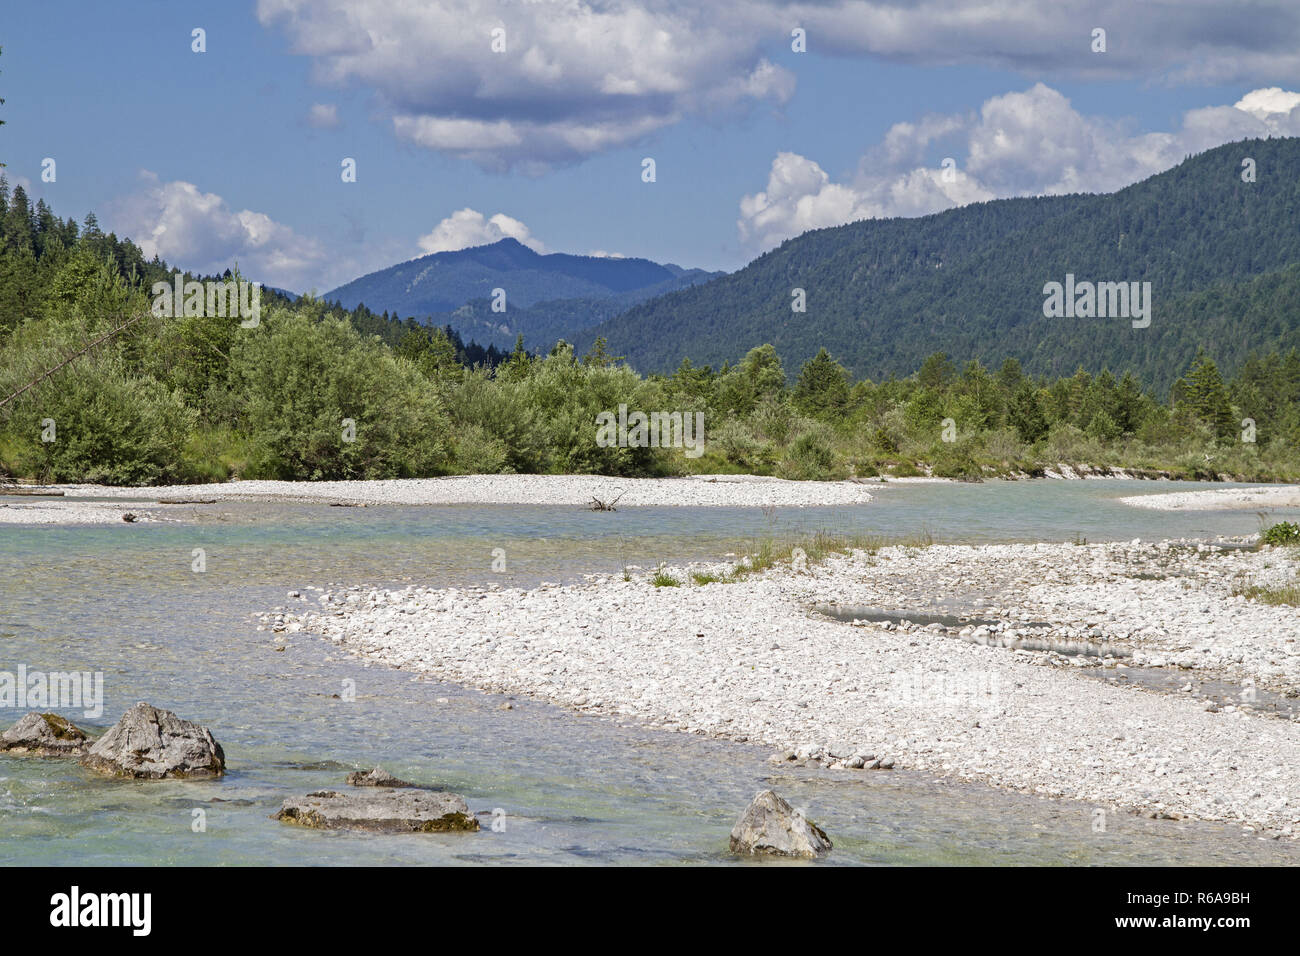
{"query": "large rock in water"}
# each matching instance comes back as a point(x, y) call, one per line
point(379, 777)
point(149, 743)
point(770, 825)
point(44, 735)
point(383, 811)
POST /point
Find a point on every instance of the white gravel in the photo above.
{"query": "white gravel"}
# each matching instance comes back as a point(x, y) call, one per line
point(748, 661)
point(58, 511)
point(700, 490)
point(1221, 499)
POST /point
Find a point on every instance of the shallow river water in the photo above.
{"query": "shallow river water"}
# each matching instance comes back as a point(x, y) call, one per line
point(123, 600)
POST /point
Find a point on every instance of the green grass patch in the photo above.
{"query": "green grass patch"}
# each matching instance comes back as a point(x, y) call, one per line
point(1285, 594)
point(710, 577)
point(769, 552)
point(662, 579)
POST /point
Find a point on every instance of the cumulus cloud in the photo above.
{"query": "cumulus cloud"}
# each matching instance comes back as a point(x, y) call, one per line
point(1185, 41)
point(323, 116)
point(1018, 144)
point(576, 77)
point(468, 227)
point(201, 232)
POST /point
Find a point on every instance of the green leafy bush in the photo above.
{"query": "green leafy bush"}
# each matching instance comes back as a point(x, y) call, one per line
point(1283, 532)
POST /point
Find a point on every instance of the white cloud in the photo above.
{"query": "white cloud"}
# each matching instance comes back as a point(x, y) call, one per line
point(1019, 144)
point(1272, 106)
point(578, 77)
point(468, 227)
point(200, 232)
point(1176, 41)
point(323, 116)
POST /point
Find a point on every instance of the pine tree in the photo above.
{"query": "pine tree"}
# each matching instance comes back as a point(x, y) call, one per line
point(1025, 414)
point(822, 388)
point(1202, 393)
point(936, 371)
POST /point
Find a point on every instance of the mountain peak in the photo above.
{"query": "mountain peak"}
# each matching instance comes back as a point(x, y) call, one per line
point(442, 282)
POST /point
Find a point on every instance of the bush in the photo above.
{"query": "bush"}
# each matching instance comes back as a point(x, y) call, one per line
point(302, 378)
point(108, 427)
point(1282, 533)
point(810, 457)
point(478, 452)
point(951, 460)
point(736, 442)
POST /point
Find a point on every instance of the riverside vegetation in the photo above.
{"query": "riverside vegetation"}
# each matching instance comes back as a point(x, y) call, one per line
point(198, 398)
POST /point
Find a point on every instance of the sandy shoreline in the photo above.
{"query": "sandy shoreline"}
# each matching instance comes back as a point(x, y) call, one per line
point(23, 510)
point(1220, 499)
point(748, 661)
point(735, 491)
point(698, 491)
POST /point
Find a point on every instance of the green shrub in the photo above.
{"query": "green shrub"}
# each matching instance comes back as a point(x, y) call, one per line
point(1282, 533)
point(810, 457)
point(109, 427)
point(303, 378)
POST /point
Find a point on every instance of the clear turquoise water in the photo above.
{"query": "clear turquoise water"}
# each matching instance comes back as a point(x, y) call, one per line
point(122, 599)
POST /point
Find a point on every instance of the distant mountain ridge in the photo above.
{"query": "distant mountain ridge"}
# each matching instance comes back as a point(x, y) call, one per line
point(547, 296)
point(882, 294)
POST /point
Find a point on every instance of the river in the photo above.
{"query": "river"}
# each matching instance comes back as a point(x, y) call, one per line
point(124, 600)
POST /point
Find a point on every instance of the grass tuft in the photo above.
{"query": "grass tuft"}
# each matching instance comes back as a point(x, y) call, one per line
point(662, 579)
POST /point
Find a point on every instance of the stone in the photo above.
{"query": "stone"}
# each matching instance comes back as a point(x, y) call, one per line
point(153, 744)
point(380, 811)
point(379, 777)
point(772, 827)
point(44, 735)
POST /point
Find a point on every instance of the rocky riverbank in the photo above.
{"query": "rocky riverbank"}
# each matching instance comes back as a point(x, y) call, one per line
point(1221, 499)
point(752, 660)
point(742, 491)
point(59, 511)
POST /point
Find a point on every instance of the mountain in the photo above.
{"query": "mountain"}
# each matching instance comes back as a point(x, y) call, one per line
point(547, 296)
point(882, 294)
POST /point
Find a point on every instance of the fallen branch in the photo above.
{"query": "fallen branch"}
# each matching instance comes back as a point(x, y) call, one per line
point(71, 358)
point(598, 505)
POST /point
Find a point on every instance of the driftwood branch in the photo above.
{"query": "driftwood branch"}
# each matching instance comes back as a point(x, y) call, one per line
point(598, 505)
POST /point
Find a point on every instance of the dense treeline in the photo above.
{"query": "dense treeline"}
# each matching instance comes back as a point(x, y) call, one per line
point(1220, 253)
point(313, 391)
point(392, 330)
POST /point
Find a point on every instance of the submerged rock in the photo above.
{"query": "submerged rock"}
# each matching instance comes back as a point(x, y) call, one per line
point(149, 743)
point(379, 777)
point(44, 735)
point(771, 826)
point(383, 811)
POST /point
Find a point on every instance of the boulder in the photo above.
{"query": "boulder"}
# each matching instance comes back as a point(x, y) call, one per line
point(381, 811)
point(379, 777)
point(771, 826)
point(149, 743)
point(44, 735)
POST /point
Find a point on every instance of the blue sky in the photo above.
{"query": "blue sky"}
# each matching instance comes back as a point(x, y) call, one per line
point(208, 158)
